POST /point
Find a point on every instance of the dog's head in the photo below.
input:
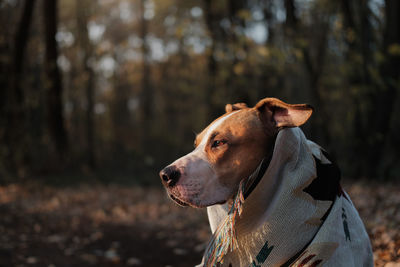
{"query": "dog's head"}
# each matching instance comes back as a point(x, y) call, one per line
point(228, 150)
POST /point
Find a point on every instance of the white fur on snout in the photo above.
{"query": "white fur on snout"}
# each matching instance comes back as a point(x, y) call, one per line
point(199, 184)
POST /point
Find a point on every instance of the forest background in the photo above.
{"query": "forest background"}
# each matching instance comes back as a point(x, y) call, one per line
point(122, 85)
point(110, 91)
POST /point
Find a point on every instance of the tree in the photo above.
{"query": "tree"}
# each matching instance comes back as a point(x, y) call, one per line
point(358, 38)
point(20, 42)
point(147, 92)
point(53, 85)
point(14, 107)
point(84, 8)
point(313, 54)
point(212, 19)
point(383, 100)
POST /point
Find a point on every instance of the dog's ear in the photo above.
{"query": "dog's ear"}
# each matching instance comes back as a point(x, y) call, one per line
point(233, 107)
point(282, 114)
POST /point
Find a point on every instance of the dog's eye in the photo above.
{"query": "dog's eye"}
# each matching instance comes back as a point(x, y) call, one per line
point(218, 143)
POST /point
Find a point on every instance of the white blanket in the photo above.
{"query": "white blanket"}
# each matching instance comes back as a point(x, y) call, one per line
point(297, 215)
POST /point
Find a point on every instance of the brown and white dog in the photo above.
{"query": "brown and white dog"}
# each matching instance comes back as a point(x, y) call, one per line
point(229, 150)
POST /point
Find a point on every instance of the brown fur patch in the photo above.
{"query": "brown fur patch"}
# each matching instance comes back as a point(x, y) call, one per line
point(247, 136)
point(247, 143)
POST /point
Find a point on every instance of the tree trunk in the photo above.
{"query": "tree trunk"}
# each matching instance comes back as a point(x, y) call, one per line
point(83, 13)
point(265, 80)
point(384, 100)
point(53, 85)
point(146, 101)
point(21, 40)
point(291, 18)
point(358, 47)
point(314, 60)
point(213, 27)
point(14, 106)
point(314, 66)
point(269, 20)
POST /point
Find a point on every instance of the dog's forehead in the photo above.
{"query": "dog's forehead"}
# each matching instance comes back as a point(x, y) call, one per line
point(234, 120)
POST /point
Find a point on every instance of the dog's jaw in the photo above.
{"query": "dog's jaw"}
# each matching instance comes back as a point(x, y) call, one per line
point(199, 185)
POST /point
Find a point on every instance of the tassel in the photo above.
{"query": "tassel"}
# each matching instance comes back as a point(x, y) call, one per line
point(224, 239)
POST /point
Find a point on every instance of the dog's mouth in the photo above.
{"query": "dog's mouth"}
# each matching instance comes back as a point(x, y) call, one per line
point(178, 201)
point(182, 203)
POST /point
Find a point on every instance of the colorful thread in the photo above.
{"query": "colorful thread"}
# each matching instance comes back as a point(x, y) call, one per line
point(224, 239)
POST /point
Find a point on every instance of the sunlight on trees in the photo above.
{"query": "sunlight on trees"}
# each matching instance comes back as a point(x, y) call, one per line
point(123, 84)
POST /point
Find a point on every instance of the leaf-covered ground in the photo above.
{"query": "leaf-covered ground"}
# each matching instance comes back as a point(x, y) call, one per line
point(115, 225)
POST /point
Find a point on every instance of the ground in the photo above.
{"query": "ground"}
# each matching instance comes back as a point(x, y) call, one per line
point(116, 225)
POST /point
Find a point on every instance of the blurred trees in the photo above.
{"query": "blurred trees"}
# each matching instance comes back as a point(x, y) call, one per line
point(52, 81)
point(146, 103)
point(13, 98)
point(84, 9)
point(123, 84)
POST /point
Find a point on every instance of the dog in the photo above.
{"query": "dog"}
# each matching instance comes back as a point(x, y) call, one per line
point(273, 197)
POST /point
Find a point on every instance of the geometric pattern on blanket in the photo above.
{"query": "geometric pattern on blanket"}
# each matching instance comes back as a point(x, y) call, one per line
point(310, 221)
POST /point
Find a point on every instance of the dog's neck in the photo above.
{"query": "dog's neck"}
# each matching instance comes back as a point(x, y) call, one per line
point(252, 203)
point(258, 174)
point(259, 200)
point(216, 213)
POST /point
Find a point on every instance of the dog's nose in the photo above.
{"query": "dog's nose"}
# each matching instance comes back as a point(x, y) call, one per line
point(170, 175)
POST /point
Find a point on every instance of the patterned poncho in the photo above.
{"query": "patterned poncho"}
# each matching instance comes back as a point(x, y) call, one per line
point(297, 215)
